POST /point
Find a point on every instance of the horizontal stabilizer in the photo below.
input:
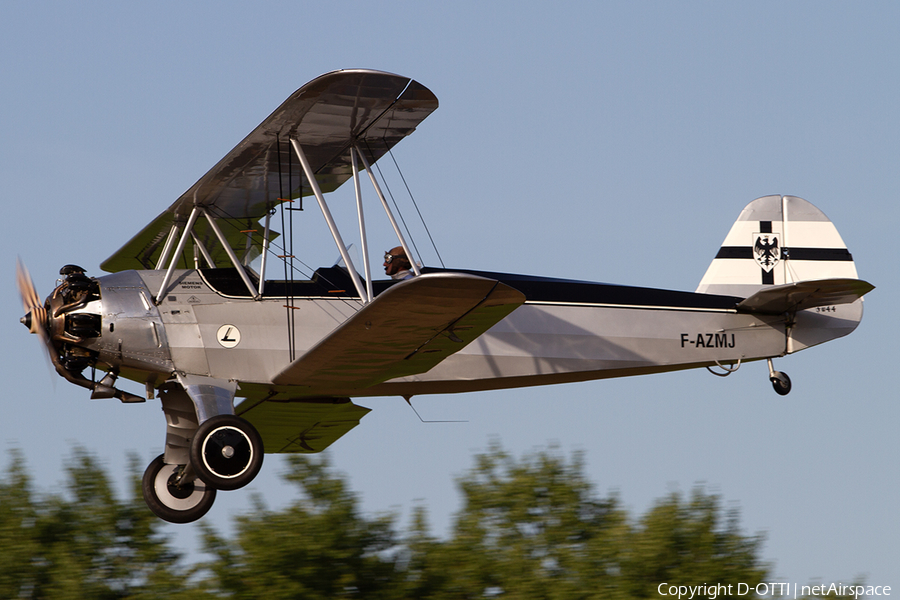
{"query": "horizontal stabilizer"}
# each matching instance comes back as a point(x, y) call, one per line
point(302, 426)
point(407, 329)
point(793, 297)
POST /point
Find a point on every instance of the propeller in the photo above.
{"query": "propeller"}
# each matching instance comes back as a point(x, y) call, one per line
point(35, 318)
point(38, 320)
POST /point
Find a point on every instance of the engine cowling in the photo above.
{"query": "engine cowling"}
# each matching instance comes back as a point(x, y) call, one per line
point(83, 329)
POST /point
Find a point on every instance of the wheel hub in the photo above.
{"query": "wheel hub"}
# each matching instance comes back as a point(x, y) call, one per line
point(227, 452)
point(180, 491)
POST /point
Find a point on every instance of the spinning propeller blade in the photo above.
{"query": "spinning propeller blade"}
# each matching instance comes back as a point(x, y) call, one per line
point(35, 318)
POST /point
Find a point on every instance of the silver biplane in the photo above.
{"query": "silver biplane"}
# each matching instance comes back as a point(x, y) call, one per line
point(244, 363)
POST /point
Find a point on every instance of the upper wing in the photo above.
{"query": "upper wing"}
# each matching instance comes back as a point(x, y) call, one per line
point(371, 109)
point(407, 329)
point(792, 297)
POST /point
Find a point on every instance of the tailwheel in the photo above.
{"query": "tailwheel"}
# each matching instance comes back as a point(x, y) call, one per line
point(183, 502)
point(226, 452)
point(780, 381)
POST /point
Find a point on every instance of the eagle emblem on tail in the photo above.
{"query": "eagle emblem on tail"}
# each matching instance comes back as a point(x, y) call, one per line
point(766, 250)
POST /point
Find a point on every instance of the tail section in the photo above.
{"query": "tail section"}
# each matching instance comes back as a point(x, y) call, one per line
point(777, 240)
point(784, 256)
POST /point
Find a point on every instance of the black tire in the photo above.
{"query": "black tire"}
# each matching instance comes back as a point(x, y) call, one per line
point(226, 452)
point(183, 504)
point(781, 382)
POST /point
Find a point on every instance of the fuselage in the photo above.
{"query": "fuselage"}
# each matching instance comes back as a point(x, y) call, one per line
point(207, 324)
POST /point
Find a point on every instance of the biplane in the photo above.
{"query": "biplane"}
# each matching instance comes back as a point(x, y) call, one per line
point(247, 359)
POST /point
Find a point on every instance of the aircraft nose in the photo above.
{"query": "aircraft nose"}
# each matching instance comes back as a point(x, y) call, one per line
point(32, 321)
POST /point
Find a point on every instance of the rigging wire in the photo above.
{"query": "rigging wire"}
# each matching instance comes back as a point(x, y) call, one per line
point(399, 212)
point(394, 201)
point(412, 198)
point(415, 204)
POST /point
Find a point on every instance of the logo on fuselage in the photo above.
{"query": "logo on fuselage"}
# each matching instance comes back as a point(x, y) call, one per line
point(766, 250)
point(228, 336)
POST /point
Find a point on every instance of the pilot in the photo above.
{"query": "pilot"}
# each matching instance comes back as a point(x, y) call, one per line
point(396, 264)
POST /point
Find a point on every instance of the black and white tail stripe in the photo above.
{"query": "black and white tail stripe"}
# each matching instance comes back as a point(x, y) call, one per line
point(784, 253)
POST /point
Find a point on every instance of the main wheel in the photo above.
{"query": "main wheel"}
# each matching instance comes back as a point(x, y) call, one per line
point(176, 504)
point(781, 382)
point(226, 452)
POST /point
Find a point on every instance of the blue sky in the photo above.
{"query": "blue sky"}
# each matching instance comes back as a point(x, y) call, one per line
point(612, 141)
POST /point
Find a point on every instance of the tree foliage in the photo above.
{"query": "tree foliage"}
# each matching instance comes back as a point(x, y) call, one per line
point(537, 529)
point(319, 547)
point(529, 528)
point(82, 543)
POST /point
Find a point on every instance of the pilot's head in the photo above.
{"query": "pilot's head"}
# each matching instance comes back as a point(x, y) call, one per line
point(395, 261)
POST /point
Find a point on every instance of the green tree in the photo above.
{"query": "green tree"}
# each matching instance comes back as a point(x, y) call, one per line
point(682, 541)
point(534, 528)
point(18, 517)
point(83, 543)
point(423, 561)
point(319, 547)
point(528, 528)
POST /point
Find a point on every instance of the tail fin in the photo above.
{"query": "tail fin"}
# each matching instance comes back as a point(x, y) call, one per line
point(777, 240)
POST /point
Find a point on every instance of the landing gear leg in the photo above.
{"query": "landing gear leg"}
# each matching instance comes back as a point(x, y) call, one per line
point(780, 381)
point(171, 501)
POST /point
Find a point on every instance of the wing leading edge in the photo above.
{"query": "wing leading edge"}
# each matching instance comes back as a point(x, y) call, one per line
point(407, 329)
point(373, 110)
